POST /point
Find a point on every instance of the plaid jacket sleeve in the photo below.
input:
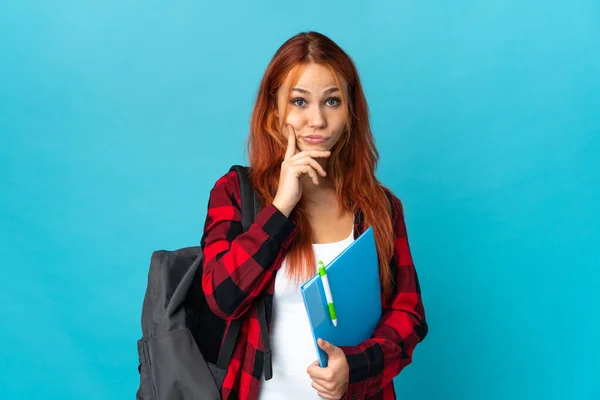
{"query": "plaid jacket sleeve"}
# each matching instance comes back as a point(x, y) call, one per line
point(375, 362)
point(239, 265)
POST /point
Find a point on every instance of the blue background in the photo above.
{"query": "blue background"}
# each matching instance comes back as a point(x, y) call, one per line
point(116, 118)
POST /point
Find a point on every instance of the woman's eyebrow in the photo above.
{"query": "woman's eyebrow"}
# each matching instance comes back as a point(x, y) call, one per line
point(328, 91)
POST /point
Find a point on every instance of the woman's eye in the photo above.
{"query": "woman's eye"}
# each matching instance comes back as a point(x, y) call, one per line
point(299, 102)
point(334, 101)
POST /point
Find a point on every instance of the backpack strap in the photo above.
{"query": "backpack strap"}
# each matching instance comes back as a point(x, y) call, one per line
point(261, 305)
point(250, 205)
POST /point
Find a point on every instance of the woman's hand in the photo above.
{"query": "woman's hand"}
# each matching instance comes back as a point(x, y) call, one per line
point(330, 382)
point(293, 167)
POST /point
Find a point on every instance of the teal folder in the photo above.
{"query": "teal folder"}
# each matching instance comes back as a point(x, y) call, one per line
point(354, 280)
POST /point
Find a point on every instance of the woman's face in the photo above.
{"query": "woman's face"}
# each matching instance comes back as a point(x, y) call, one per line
point(314, 108)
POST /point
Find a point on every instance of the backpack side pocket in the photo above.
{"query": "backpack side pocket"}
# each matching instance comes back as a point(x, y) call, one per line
point(146, 389)
point(178, 370)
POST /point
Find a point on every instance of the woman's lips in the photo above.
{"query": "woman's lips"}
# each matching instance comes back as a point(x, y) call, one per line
point(315, 139)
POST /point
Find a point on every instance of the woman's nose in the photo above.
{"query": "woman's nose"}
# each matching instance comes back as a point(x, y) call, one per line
point(317, 118)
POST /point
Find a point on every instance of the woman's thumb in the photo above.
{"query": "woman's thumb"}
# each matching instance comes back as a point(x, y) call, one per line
point(325, 345)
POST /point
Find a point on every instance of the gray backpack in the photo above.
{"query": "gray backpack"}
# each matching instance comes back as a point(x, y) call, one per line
point(182, 353)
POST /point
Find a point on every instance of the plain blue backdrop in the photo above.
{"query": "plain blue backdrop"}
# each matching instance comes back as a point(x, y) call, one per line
point(116, 118)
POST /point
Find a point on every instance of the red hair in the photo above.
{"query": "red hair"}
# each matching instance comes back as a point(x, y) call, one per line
point(353, 159)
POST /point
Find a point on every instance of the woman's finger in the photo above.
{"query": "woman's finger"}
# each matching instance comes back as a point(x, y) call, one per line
point(291, 146)
point(327, 396)
point(322, 391)
point(312, 162)
point(317, 386)
point(306, 169)
point(313, 174)
point(326, 385)
point(311, 153)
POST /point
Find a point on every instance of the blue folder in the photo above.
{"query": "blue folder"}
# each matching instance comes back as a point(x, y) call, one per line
point(354, 280)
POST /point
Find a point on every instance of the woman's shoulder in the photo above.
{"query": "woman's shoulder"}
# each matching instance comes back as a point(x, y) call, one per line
point(227, 184)
point(228, 178)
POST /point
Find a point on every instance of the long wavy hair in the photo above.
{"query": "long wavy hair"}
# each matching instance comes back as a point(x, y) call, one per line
point(352, 162)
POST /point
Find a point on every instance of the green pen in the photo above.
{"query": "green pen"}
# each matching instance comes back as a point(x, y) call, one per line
point(327, 289)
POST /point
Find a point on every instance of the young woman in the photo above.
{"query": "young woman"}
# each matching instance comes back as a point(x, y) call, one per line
point(312, 162)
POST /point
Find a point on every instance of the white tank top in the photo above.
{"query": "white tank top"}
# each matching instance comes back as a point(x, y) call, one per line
point(291, 338)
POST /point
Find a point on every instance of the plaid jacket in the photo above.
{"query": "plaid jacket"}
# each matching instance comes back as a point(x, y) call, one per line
point(239, 266)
